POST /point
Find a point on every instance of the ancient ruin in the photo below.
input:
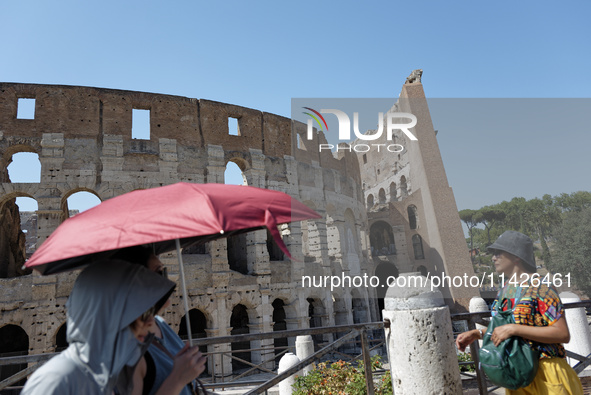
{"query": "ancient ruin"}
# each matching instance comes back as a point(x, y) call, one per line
point(382, 215)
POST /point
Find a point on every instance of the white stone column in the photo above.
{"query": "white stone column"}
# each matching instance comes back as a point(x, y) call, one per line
point(420, 341)
point(580, 337)
point(286, 362)
point(304, 348)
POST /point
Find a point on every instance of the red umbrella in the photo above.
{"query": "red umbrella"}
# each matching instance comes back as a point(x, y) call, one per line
point(177, 215)
point(190, 212)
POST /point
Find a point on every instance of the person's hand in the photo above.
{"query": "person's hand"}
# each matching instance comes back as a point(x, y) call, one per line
point(189, 363)
point(502, 332)
point(464, 339)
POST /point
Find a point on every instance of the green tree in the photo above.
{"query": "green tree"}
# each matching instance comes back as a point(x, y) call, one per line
point(572, 253)
point(489, 216)
point(576, 201)
point(469, 218)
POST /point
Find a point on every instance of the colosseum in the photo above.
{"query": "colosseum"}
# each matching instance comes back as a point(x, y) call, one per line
point(382, 215)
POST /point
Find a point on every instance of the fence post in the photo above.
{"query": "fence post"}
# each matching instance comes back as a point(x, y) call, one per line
point(367, 363)
point(477, 305)
point(420, 339)
point(580, 337)
point(305, 348)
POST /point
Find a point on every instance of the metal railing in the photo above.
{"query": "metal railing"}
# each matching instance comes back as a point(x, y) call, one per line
point(479, 318)
point(344, 334)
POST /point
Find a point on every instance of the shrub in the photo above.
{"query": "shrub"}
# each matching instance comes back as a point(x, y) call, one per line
point(465, 357)
point(341, 378)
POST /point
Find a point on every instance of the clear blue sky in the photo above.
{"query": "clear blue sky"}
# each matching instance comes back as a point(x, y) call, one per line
point(261, 54)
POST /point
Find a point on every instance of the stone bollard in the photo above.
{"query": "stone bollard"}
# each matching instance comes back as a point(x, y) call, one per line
point(304, 348)
point(580, 338)
point(420, 339)
point(478, 305)
point(286, 362)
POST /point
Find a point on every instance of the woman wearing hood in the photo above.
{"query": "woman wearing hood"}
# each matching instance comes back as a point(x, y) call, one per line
point(107, 309)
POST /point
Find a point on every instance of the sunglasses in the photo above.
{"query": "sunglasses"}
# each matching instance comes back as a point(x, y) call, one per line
point(151, 312)
point(497, 252)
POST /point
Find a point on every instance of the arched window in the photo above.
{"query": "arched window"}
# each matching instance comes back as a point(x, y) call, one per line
point(412, 216)
point(393, 197)
point(315, 315)
point(239, 323)
point(14, 341)
point(381, 239)
point(417, 245)
point(234, 175)
point(403, 187)
point(382, 196)
point(25, 167)
point(279, 324)
point(79, 202)
point(198, 325)
point(369, 201)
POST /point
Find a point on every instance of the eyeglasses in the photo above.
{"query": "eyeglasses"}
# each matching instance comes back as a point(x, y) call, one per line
point(497, 252)
point(151, 312)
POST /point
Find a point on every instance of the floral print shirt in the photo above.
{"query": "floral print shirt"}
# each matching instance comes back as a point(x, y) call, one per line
point(537, 306)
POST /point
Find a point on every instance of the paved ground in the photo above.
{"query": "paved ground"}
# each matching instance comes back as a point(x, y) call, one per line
point(470, 388)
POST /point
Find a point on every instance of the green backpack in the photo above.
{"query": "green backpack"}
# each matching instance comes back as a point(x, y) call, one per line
point(513, 364)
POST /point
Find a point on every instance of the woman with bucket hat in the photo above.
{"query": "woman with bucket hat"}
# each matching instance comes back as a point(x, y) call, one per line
point(538, 313)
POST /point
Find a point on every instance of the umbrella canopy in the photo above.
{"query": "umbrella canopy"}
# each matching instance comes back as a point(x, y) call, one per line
point(190, 213)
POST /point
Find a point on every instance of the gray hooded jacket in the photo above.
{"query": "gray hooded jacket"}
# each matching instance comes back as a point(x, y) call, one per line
point(107, 297)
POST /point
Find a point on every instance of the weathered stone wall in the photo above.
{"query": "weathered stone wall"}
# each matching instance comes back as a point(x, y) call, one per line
point(84, 142)
point(83, 138)
point(414, 180)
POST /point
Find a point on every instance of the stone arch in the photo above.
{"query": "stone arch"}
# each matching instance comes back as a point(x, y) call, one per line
point(65, 204)
point(239, 322)
point(384, 271)
point(316, 315)
point(13, 195)
point(403, 187)
point(393, 195)
point(8, 157)
point(279, 324)
point(417, 246)
point(61, 339)
point(370, 201)
point(242, 164)
point(381, 238)
point(412, 216)
point(198, 321)
point(14, 341)
point(382, 196)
